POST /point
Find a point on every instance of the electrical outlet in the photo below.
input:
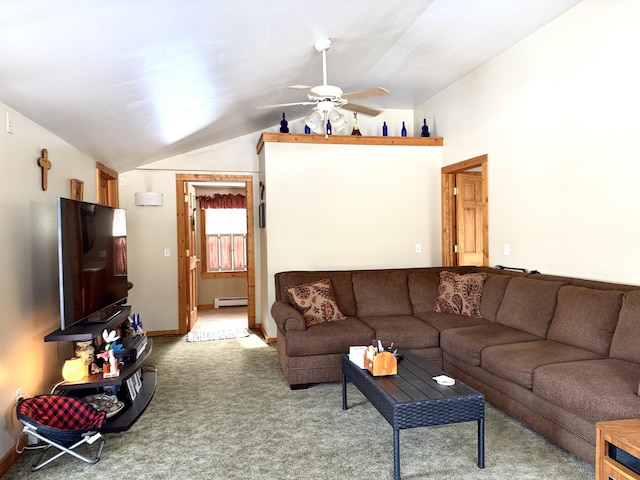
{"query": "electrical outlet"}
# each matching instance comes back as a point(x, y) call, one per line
point(19, 393)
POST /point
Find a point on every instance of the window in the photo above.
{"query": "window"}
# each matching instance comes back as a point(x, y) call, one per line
point(225, 244)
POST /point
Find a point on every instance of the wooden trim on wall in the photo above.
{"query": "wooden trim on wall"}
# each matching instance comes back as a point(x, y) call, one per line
point(449, 258)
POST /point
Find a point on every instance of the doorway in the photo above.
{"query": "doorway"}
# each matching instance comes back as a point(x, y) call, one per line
point(465, 213)
point(187, 251)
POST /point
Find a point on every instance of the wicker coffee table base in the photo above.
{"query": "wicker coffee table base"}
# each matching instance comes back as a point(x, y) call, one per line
point(425, 408)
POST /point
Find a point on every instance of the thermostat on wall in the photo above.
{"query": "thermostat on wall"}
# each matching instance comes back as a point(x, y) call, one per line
point(153, 199)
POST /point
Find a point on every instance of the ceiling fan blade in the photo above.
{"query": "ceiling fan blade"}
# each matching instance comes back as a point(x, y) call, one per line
point(372, 112)
point(301, 87)
point(366, 93)
point(264, 107)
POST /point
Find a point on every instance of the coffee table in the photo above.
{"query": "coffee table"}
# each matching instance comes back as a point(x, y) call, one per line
point(413, 399)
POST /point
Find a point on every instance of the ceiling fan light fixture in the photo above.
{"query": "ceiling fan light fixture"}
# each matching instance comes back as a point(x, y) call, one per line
point(314, 122)
point(337, 119)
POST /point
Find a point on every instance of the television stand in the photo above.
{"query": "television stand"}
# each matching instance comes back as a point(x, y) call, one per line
point(104, 318)
point(84, 331)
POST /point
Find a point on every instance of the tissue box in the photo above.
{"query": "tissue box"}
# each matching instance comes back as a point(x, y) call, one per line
point(383, 363)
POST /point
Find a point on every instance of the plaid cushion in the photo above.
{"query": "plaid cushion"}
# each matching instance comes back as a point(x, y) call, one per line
point(63, 413)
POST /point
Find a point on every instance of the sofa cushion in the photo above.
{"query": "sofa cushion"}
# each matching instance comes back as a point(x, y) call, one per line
point(423, 290)
point(528, 305)
point(340, 281)
point(466, 343)
point(586, 318)
point(381, 293)
point(404, 331)
point(596, 390)
point(329, 337)
point(516, 362)
point(316, 303)
point(442, 321)
point(492, 295)
point(460, 294)
point(627, 335)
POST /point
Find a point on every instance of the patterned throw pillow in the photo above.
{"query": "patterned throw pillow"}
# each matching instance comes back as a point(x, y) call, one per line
point(316, 303)
point(460, 294)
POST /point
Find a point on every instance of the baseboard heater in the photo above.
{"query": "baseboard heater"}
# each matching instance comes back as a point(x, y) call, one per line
point(229, 302)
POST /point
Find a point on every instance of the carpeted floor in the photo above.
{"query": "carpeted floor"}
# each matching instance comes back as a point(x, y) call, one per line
point(222, 410)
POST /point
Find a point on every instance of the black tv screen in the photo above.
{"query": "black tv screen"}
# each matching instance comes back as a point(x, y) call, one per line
point(92, 261)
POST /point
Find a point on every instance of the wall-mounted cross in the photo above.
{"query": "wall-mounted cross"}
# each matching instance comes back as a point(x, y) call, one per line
point(46, 165)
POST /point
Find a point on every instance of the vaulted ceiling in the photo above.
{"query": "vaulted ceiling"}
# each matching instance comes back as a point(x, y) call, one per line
point(132, 81)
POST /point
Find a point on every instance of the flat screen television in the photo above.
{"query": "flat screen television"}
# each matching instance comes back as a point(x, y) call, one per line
point(92, 261)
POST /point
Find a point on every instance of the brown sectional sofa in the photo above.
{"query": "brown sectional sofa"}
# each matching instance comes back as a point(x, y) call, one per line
point(557, 353)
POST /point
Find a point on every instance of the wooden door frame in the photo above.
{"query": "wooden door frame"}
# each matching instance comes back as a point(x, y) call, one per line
point(448, 174)
point(111, 179)
point(181, 179)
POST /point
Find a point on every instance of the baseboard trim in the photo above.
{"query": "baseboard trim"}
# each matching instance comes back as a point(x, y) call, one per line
point(12, 456)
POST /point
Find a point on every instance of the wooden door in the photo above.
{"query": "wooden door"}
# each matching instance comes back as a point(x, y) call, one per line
point(192, 275)
point(469, 218)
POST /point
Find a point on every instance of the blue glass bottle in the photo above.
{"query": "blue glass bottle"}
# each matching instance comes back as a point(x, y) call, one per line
point(404, 130)
point(328, 127)
point(384, 129)
point(425, 129)
point(284, 125)
point(307, 130)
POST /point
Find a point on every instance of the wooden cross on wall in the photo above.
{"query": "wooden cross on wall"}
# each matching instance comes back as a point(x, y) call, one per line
point(46, 165)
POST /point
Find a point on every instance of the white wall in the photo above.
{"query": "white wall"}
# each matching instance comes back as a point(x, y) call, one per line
point(348, 206)
point(558, 115)
point(29, 267)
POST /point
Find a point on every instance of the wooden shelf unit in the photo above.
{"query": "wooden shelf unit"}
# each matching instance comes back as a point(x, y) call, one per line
point(94, 383)
point(618, 450)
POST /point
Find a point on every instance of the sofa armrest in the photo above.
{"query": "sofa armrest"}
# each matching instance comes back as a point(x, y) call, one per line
point(287, 318)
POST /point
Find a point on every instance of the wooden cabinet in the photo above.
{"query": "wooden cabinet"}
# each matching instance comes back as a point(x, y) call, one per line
point(618, 450)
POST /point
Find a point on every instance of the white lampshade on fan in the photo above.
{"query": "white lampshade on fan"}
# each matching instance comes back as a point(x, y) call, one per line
point(314, 122)
point(337, 119)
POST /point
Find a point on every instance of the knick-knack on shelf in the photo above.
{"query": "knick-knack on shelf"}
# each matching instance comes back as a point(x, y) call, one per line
point(356, 130)
point(307, 130)
point(385, 131)
point(404, 130)
point(328, 127)
point(425, 129)
point(284, 125)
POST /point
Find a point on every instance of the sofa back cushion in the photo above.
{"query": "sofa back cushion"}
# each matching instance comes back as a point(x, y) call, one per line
point(492, 295)
point(340, 281)
point(586, 318)
point(381, 293)
point(626, 338)
point(423, 290)
point(528, 305)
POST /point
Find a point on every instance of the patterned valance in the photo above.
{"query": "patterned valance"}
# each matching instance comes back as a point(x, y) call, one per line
point(222, 201)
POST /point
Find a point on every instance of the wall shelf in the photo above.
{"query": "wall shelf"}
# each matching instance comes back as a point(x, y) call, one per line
point(347, 140)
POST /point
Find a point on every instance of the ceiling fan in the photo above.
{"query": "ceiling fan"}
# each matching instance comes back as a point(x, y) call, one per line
point(327, 98)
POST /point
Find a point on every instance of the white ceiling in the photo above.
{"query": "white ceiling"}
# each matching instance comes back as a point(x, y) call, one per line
point(133, 81)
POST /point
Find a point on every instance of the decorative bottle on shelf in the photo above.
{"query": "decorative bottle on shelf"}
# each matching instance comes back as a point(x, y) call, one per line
point(328, 127)
point(307, 130)
point(425, 129)
point(385, 131)
point(356, 130)
point(404, 130)
point(284, 125)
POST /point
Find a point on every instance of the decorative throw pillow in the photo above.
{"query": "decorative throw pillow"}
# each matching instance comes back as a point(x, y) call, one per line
point(316, 303)
point(460, 294)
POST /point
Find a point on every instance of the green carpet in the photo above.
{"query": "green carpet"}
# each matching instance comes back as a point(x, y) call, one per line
point(222, 410)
